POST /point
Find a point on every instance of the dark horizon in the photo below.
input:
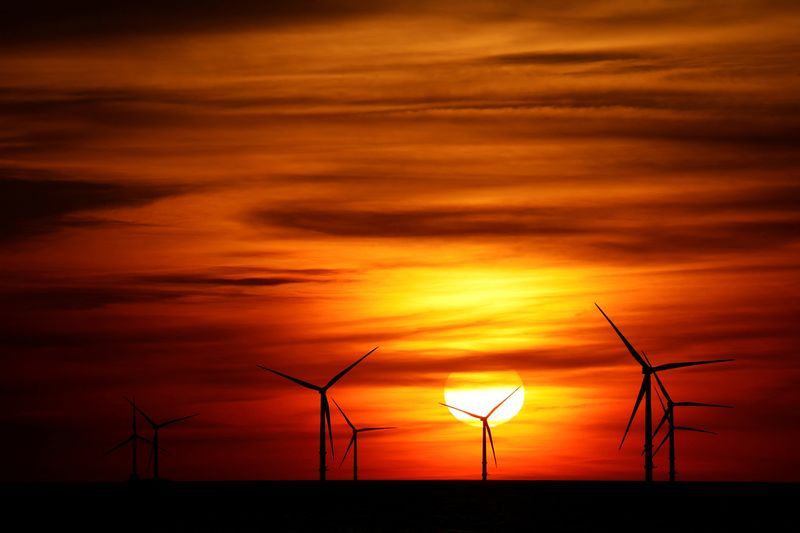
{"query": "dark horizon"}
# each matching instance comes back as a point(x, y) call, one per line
point(410, 506)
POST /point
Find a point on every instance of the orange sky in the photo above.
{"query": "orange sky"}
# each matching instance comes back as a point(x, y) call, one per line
point(185, 194)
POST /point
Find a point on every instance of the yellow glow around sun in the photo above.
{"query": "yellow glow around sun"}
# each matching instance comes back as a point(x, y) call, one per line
point(479, 392)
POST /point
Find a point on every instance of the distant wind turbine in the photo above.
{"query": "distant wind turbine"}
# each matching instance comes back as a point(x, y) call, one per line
point(669, 419)
point(646, 391)
point(354, 440)
point(133, 439)
point(324, 407)
point(156, 426)
point(486, 429)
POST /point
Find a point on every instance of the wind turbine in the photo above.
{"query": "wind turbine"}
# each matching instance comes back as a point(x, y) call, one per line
point(486, 429)
point(156, 426)
point(324, 407)
point(354, 440)
point(646, 391)
point(669, 419)
point(134, 439)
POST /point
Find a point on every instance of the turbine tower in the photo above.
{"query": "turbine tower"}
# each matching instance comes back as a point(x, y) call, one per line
point(486, 429)
point(669, 419)
point(645, 391)
point(157, 426)
point(354, 440)
point(134, 439)
point(324, 407)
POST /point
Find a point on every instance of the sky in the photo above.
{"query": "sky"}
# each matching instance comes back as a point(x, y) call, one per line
point(187, 192)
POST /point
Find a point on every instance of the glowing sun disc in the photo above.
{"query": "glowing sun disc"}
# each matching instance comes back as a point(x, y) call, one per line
point(479, 392)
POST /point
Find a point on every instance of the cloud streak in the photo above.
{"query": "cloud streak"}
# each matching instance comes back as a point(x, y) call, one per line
point(709, 223)
point(559, 58)
point(36, 202)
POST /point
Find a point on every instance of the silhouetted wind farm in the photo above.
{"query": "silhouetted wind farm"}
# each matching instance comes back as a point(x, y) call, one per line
point(354, 439)
point(486, 430)
point(645, 391)
point(649, 371)
point(156, 426)
point(324, 407)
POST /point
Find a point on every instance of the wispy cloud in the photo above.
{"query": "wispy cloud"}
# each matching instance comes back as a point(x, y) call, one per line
point(703, 223)
point(188, 279)
point(36, 202)
point(560, 57)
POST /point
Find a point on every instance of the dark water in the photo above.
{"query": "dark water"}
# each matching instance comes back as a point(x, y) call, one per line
point(401, 506)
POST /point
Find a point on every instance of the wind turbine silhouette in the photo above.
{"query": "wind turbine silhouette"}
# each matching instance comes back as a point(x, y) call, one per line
point(156, 426)
point(324, 407)
point(354, 440)
point(486, 429)
point(669, 419)
point(134, 439)
point(645, 391)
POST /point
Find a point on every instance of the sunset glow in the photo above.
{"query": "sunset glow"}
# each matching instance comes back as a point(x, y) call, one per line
point(189, 191)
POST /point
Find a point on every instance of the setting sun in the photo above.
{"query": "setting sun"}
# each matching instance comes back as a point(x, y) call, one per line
point(480, 392)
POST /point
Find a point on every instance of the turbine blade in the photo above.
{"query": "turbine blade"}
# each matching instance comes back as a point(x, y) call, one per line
point(144, 439)
point(120, 445)
point(150, 456)
point(633, 414)
point(149, 420)
point(685, 428)
point(661, 423)
point(344, 415)
point(339, 376)
point(660, 444)
point(350, 445)
point(660, 401)
point(300, 382)
point(491, 440)
point(327, 409)
point(479, 417)
point(504, 401)
point(627, 344)
point(699, 404)
point(376, 429)
point(671, 366)
point(663, 388)
point(176, 420)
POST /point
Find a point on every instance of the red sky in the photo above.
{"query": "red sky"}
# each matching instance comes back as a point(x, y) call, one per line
point(186, 193)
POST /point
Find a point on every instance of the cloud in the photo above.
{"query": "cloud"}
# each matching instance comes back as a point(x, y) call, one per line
point(146, 288)
point(121, 339)
point(559, 57)
point(659, 227)
point(442, 222)
point(34, 202)
point(257, 281)
point(415, 367)
point(48, 21)
point(82, 297)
